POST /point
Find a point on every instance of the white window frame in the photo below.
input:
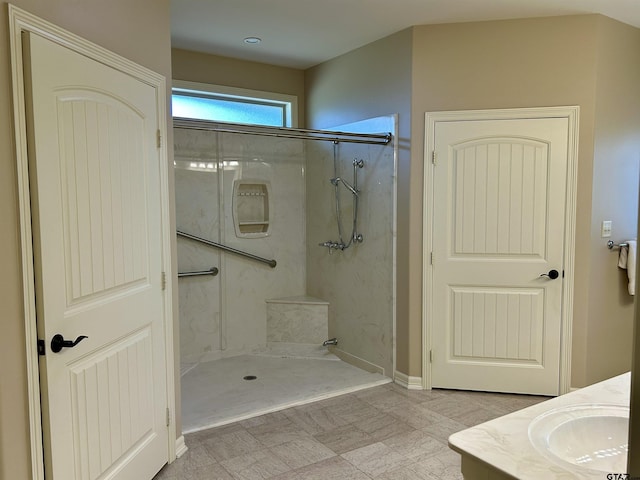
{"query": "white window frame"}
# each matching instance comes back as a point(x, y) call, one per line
point(290, 102)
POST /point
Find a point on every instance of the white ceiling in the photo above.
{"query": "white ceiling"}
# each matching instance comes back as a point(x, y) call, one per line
point(303, 33)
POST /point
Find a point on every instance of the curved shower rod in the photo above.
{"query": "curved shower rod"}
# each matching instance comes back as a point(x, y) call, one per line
point(301, 133)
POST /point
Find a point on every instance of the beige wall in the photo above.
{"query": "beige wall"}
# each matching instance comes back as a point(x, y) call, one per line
point(137, 30)
point(573, 60)
point(373, 81)
point(505, 64)
point(590, 61)
point(232, 72)
point(615, 196)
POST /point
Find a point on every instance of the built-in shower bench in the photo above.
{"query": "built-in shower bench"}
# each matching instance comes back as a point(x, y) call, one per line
point(301, 319)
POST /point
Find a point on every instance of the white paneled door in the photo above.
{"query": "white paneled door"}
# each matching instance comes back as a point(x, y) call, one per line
point(95, 183)
point(498, 241)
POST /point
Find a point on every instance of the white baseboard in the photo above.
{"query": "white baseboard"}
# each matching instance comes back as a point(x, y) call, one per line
point(181, 447)
point(410, 383)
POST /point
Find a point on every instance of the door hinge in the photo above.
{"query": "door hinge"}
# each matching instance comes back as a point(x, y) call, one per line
point(430, 356)
point(431, 258)
point(168, 417)
point(159, 138)
point(163, 281)
point(433, 157)
point(41, 347)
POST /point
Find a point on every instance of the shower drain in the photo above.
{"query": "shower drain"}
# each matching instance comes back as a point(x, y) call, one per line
point(249, 377)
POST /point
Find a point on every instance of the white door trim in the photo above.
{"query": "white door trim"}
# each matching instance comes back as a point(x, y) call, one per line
point(572, 113)
point(21, 21)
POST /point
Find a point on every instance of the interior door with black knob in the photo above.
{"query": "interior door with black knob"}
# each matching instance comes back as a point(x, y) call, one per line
point(497, 291)
point(97, 235)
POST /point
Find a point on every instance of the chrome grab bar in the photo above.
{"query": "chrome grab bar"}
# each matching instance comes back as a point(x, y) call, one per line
point(212, 271)
point(612, 245)
point(271, 263)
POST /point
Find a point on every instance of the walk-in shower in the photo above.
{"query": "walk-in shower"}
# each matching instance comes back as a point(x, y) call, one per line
point(254, 203)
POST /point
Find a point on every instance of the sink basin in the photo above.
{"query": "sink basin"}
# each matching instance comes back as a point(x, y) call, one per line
point(587, 437)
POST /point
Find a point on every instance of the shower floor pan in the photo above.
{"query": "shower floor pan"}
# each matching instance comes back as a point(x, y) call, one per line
point(216, 393)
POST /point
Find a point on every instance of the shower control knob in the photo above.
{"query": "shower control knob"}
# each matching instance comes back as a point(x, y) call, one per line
point(553, 274)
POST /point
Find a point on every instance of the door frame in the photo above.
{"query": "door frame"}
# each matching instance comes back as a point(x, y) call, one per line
point(21, 21)
point(572, 114)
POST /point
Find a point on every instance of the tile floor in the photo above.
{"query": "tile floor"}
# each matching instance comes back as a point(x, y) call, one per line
point(385, 432)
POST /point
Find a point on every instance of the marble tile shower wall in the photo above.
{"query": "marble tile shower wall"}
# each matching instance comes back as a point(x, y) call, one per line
point(226, 315)
point(358, 282)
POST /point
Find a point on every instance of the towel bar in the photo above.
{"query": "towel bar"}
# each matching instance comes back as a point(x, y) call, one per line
point(611, 245)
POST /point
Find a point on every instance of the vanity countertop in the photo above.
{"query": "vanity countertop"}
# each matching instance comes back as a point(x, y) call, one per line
point(503, 444)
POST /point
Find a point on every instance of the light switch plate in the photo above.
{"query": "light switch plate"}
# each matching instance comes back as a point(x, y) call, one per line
point(606, 228)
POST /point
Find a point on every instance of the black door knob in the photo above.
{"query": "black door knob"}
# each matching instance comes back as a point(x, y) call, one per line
point(58, 342)
point(553, 274)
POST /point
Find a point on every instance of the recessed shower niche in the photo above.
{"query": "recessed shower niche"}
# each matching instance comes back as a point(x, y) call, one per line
point(251, 208)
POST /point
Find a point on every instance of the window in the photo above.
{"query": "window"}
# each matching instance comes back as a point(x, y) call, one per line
point(224, 104)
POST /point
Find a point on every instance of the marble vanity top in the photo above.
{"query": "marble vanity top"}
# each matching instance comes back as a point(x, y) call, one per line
point(504, 444)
